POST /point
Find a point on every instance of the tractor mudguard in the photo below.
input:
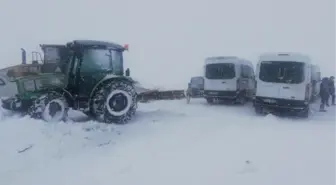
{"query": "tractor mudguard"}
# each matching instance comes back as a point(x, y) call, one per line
point(108, 78)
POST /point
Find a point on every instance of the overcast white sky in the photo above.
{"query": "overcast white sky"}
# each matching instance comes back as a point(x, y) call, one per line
point(170, 38)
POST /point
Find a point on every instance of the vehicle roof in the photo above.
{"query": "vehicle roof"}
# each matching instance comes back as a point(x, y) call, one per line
point(227, 59)
point(52, 45)
point(197, 77)
point(97, 43)
point(285, 57)
point(19, 65)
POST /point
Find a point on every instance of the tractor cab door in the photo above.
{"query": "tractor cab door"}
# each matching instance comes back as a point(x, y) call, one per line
point(88, 78)
point(71, 74)
point(94, 66)
point(80, 78)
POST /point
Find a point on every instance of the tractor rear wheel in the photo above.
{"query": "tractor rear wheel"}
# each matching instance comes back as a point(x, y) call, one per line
point(114, 102)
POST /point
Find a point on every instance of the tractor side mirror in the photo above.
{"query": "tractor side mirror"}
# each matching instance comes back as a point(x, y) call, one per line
point(127, 72)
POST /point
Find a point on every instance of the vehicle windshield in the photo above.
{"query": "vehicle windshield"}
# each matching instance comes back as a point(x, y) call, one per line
point(282, 72)
point(102, 60)
point(220, 71)
point(196, 82)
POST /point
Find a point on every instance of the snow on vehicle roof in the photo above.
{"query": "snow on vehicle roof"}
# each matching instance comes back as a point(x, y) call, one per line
point(226, 59)
point(97, 43)
point(221, 58)
point(285, 56)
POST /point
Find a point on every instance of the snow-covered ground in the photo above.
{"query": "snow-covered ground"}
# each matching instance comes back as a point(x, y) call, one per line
point(171, 142)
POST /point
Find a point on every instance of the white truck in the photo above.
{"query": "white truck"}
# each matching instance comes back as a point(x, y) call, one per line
point(228, 78)
point(285, 83)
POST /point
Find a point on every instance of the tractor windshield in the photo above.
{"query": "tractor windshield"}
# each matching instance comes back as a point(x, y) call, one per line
point(96, 59)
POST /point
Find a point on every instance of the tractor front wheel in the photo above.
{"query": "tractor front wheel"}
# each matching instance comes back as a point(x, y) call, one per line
point(50, 107)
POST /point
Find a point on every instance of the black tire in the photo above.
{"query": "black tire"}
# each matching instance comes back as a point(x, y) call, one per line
point(210, 100)
point(241, 99)
point(305, 112)
point(258, 110)
point(50, 107)
point(114, 102)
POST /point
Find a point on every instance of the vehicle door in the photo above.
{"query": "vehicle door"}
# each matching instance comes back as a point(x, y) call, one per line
point(221, 77)
point(293, 84)
point(267, 79)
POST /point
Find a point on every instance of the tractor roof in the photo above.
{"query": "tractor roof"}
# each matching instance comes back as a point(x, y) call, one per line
point(52, 45)
point(95, 43)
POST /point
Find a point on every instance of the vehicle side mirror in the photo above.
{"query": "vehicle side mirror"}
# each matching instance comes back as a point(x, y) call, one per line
point(127, 72)
point(23, 56)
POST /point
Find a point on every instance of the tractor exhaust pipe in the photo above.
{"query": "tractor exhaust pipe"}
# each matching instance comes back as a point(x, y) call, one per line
point(23, 56)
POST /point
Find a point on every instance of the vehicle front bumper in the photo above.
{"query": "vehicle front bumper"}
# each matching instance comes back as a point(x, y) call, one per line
point(195, 92)
point(278, 104)
point(7, 103)
point(14, 104)
point(221, 94)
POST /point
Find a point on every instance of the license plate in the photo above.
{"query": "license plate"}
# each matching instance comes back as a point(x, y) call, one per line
point(269, 100)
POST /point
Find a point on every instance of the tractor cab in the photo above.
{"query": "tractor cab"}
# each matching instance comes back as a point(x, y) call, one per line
point(90, 61)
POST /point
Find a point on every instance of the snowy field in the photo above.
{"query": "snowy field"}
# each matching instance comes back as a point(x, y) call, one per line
point(171, 143)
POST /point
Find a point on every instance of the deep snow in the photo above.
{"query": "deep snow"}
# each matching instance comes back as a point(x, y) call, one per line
point(171, 142)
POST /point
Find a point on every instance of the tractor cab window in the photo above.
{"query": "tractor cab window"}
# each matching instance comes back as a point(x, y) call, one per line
point(95, 60)
point(29, 85)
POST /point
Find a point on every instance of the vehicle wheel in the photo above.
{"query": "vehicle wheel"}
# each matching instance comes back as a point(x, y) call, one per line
point(210, 100)
point(258, 110)
point(50, 107)
point(114, 102)
point(305, 113)
point(241, 100)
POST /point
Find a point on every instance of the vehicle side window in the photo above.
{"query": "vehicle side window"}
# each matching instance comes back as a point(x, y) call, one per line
point(2, 82)
point(247, 71)
point(319, 76)
point(244, 71)
point(251, 71)
point(29, 85)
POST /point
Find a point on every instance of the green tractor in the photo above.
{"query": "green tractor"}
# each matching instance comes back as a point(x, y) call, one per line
point(91, 80)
